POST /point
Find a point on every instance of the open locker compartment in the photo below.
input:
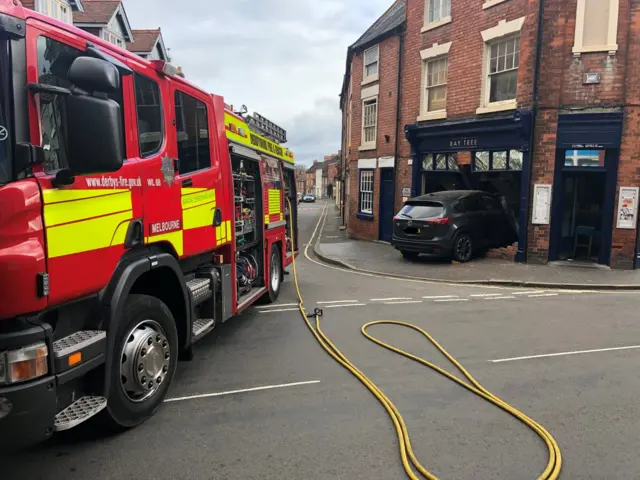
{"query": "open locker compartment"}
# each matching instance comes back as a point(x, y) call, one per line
point(248, 214)
point(291, 214)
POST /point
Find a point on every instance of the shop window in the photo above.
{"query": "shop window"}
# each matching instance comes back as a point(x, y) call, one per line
point(193, 133)
point(440, 162)
point(149, 110)
point(498, 160)
point(596, 26)
point(584, 158)
point(437, 12)
point(503, 69)
point(436, 84)
point(366, 192)
point(369, 122)
point(371, 64)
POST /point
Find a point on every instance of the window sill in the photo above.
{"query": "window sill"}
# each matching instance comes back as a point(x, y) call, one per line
point(497, 107)
point(492, 3)
point(364, 148)
point(371, 79)
point(436, 115)
point(365, 216)
point(433, 25)
point(611, 49)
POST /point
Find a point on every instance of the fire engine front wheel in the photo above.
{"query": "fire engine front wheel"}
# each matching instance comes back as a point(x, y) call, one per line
point(144, 363)
point(275, 276)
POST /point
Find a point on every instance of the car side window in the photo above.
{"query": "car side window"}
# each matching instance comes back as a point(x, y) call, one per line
point(149, 110)
point(192, 133)
point(490, 204)
point(471, 204)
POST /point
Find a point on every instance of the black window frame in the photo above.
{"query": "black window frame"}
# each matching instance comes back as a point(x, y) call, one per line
point(451, 157)
point(162, 125)
point(181, 104)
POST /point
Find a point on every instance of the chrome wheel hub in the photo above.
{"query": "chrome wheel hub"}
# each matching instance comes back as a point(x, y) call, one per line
point(275, 275)
point(145, 360)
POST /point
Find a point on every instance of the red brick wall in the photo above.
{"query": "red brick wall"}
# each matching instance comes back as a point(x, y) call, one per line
point(561, 87)
point(386, 134)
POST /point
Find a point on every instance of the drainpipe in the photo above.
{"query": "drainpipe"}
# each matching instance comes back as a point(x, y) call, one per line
point(398, 116)
point(522, 249)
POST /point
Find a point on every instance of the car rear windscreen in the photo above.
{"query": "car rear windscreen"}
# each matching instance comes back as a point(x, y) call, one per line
point(419, 210)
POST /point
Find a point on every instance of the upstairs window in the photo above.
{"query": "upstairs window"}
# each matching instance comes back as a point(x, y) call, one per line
point(596, 26)
point(438, 10)
point(436, 84)
point(369, 121)
point(371, 64)
point(192, 133)
point(504, 57)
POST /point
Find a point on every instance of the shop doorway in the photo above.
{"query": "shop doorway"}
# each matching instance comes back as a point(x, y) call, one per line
point(582, 208)
point(386, 204)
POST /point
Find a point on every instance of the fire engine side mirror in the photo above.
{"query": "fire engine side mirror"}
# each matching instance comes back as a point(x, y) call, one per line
point(94, 75)
point(95, 134)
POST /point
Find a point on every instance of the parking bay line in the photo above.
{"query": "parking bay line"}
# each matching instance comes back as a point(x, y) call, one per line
point(390, 299)
point(440, 297)
point(244, 390)
point(480, 295)
point(543, 295)
point(403, 302)
point(267, 307)
point(452, 300)
point(274, 310)
point(346, 305)
point(499, 298)
point(561, 354)
point(330, 302)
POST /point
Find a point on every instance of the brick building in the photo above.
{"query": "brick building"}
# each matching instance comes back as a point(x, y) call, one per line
point(369, 102)
point(543, 114)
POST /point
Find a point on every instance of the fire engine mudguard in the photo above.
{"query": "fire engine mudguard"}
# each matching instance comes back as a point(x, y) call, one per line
point(129, 274)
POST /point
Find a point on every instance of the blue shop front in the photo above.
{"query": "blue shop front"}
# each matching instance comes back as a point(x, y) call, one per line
point(499, 151)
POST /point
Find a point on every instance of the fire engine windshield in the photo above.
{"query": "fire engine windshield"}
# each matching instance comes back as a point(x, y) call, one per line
point(5, 103)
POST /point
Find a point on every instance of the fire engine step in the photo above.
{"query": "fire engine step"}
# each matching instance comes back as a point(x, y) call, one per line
point(76, 342)
point(79, 411)
point(201, 327)
point(200, 289)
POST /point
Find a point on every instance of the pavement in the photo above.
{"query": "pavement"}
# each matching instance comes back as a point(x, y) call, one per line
point(261, 400)
point(334, 246)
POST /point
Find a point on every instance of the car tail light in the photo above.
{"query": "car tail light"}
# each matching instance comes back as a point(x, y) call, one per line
point(439, 221)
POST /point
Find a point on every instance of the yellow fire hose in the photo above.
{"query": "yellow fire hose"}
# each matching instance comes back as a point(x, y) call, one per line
point(554, 464)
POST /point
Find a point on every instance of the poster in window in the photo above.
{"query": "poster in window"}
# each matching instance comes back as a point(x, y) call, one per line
point(627, 208)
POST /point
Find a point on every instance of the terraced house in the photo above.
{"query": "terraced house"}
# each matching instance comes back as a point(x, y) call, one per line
point(535, 100)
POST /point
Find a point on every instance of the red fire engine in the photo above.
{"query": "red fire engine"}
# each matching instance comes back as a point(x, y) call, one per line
point(136, 213)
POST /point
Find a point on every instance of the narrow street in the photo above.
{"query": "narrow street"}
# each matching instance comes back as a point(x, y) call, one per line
point(262, 400)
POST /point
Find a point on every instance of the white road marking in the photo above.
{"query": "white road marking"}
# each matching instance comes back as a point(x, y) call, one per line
point(544, 295)
point(245, 390)
point(346, 305)
point(486, 295)
point(560, 354)
point(500, 298)
point(278, 310)
point(336, 301)
point(452, 300)
point(390, 299)
point(440, 296)
point(332, 236)
point(266, 307)
point(402, 302)
point(530, 292)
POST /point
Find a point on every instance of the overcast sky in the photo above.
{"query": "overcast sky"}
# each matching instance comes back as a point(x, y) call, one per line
point(282, 58)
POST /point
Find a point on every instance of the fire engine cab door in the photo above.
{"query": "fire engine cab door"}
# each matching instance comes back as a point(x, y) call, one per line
point(85, 222)
point(197, 168)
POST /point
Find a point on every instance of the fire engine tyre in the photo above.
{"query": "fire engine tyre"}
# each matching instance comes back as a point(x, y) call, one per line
point(144, 362)
point(275, 276)
point(462, 248)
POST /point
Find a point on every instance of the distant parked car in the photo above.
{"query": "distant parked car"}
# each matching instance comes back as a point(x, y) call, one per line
point(309, 198)
point(452, 224)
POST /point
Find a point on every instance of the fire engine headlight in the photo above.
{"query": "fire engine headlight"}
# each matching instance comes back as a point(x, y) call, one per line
point(24, 364)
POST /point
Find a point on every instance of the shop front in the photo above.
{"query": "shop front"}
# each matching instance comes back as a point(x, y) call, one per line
point(584, 187)
point(488, 154)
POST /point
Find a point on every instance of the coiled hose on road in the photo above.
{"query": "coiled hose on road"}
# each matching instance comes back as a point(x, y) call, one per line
point(554, 464)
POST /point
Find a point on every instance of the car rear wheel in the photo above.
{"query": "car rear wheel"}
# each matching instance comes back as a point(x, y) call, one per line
point(463, 248)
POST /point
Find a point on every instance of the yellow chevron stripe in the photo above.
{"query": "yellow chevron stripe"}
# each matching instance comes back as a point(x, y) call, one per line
point(56, 195)
point(87, 235)
point(229, 237)
point(195, 199)
point(174, 238)
point(198, 217)
point(84, 209)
